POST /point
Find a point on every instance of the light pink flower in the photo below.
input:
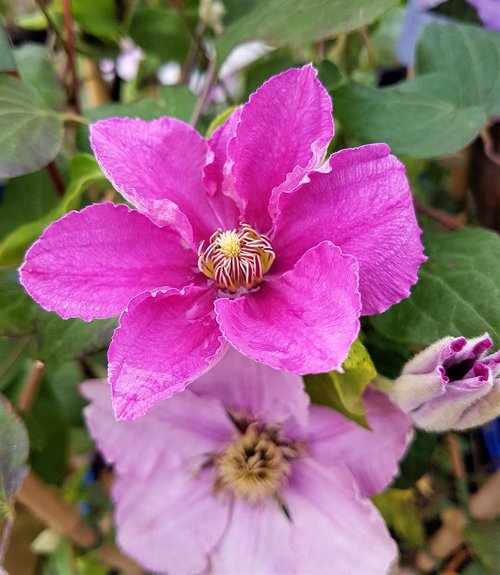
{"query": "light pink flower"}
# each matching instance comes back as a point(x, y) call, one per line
point(451, 384)
point(240, 475)
point(249, 238)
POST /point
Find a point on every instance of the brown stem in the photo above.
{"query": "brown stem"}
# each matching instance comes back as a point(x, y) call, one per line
point(31, 387)
point(44, 502)
point(489, 145)
point(68, 26)
point(368, 46)
point(439, 216)
point(209, 81)
point(56, 178)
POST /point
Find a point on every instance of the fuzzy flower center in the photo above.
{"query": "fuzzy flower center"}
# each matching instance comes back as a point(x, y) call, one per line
point(236, 259)
point(255, 466)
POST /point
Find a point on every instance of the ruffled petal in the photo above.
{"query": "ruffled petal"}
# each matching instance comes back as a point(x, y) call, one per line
point(372, 456)
point(165, 340)
point(217, 177)
point(257, 541)
point(171, 522)
point(285, 126)
point(364, 205)
point(146, 447)
point(334, 529)
point(303, 321)
point(246, 386)
point(158, 167)
point(90, 264)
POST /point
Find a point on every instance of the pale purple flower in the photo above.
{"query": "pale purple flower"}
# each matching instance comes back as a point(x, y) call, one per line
point(127, 63)
point(249, 238)
point(451, 384)
point(239, 474)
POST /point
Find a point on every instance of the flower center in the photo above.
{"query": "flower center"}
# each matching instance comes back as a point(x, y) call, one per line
point(255, 466)
point(236, 258)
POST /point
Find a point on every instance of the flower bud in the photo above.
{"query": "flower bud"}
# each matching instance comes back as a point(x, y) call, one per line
point(452, 384)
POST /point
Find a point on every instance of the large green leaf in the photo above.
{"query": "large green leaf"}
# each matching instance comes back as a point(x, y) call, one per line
point(83, 172)
point(283, 22)
point(470, 55)
point(175, 101)
point(48, 431)
point(25, 199)
point(13, 453)
point(343, 391)
point(413, 117)
point(458, 292)
point(30, 133)
point(62, 340)
point(440, 111)
point(37, 69)
point(16, 307)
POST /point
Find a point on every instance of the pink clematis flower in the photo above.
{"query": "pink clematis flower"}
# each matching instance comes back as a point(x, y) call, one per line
point(452, 384)
point(239, 474)
point(249, 238)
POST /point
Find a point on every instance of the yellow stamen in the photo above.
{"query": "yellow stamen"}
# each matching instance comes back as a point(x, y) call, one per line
point(229, 244)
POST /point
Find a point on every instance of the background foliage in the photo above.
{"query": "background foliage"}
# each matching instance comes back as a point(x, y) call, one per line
point(64, 64)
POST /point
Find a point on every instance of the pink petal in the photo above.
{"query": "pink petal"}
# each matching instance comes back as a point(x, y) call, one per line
point(171, 522)
point(158, 167)
point(217, 178)
point(257, 541)
point(145, 447)
point(334, 529)
point(246, 386)
point(287, 123)
point(165, 340)
point(91, 263)
point(372, 456)
point(364, 205)
point(303, 321)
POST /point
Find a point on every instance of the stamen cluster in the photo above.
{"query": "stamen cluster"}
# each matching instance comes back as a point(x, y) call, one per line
point(236, 259)
point(256, 465)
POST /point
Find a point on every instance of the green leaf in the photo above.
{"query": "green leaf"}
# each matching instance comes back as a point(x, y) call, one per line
point(295, 22)
point(219, 120)
point(483, 537)
point(440, 111)
point(458, 292)
point(343, 391)
point(83, 172)
point(30, 133)
point(63, 340)
point(24, 199)
point(37, 69)
point(413, 117)
point(13, 453)
point(48, 432)
point(175, 101)
point(16, 307)
point(469, 55)
point(398, 508)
